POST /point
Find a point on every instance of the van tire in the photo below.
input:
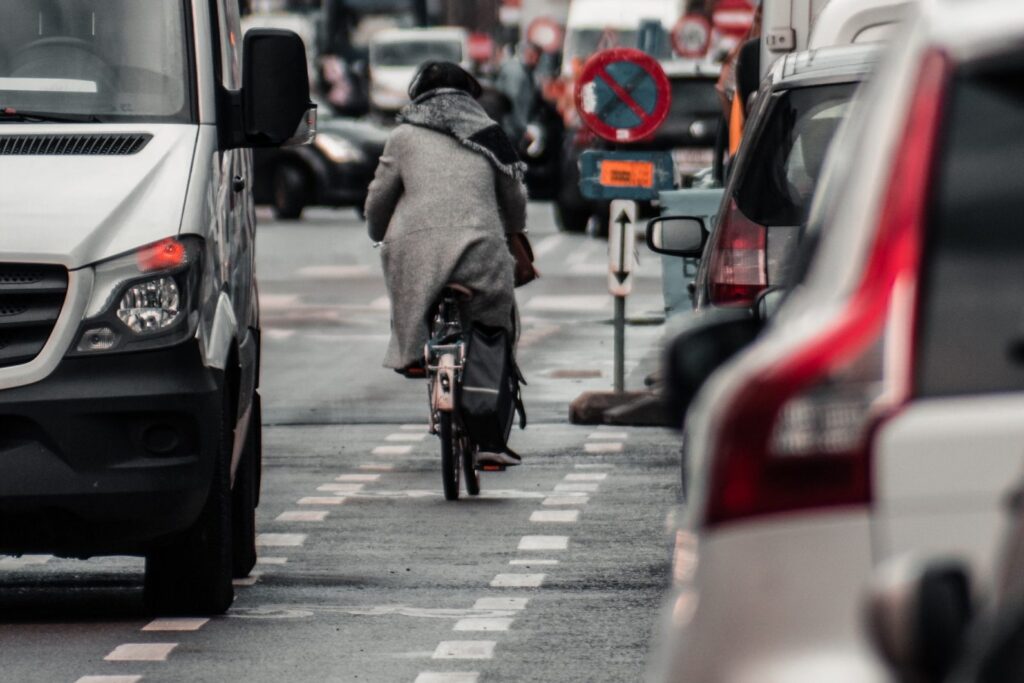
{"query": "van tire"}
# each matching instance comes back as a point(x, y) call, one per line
point(289, 193)
point(191, 574)
point(244, 496)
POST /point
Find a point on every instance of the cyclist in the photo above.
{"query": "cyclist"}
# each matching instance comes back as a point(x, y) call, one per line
point(447, 192)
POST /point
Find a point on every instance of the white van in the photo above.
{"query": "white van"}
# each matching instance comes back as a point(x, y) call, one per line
point(129, 325)
point(396, 55)
point(594, 25)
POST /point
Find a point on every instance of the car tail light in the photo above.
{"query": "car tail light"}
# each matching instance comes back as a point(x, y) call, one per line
point(798, 435)
point(738, 271)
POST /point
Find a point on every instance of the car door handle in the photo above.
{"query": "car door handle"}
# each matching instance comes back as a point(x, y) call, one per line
point(238, 183)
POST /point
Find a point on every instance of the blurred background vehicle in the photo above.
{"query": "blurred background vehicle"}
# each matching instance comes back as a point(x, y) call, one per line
point(336, 170)
point(396, 54)
point(878, 414)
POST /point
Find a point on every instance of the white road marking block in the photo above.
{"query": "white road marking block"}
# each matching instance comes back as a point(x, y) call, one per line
point(530, 563)
point(141, 652)
point(609, 436)
point(577, 486)
point(547, 245)
point(544, 543)
point(24, 561)
point(272, 560)
point(587, 476)
point(392, 450)
point(568, 304)
point(109, 679)
point(465, 649)
point(377, 467)
point(552, 501)
point(555, 516)
point(302, 516)
point(322, 500)
point(176, 624)
point(340, 488)
point(338, 272)
point(246, 582)
point(280, 540)
point(358, 477)
point(594, 466)
point(448, 677)
point(406, 436)
point(601, 447)
point(501, 603)
point(517, 581)
point(483, 624)
point(415, 428)
point(278, 302)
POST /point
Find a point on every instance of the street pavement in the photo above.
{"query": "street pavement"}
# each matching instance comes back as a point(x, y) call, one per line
point(555, 573)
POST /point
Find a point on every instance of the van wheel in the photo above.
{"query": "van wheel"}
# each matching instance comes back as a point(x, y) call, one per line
point(192, 573)
point(244, 497)
point(289, 193)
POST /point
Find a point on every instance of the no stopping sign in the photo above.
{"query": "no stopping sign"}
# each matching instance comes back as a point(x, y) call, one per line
point(623, 95)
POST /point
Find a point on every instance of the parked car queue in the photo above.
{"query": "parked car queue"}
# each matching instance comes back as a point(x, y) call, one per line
point(874, 410)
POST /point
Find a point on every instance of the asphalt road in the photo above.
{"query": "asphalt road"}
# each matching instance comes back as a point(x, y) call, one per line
point(556, 573)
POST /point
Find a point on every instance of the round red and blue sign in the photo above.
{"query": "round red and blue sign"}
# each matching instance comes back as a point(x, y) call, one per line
point(623, 95)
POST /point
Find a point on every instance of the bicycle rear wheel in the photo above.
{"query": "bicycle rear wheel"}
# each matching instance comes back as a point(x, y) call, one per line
point(451, 456)
point(469, 470)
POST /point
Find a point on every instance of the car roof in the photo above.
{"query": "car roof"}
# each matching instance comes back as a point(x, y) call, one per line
point(844, 64)
point(397, 35)
point(973, 26)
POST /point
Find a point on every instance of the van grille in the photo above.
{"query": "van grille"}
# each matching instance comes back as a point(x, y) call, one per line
point(31, 298)
point(84, 144)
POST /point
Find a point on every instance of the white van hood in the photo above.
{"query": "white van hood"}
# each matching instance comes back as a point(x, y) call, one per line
point(77, 210)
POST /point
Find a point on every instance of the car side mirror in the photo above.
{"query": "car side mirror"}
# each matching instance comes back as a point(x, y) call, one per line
point(918, 616)
point(707, 340)
point(275, 107)
point(677, 236)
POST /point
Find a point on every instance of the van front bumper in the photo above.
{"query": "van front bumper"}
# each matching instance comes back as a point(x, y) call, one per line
point(108, 454)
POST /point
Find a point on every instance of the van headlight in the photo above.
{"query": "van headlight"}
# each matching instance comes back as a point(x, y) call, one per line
point(145, 299)
point(338, 149)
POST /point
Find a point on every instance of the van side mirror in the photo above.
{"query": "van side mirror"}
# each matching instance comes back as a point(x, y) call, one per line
point(918, 616)
point(677, 236)
point(275, 105)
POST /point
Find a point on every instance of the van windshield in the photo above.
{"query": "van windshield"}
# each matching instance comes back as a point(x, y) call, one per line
point(115, 60)
point(415, 52)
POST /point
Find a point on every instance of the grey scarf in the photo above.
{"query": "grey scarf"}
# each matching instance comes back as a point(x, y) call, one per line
point(456, 113)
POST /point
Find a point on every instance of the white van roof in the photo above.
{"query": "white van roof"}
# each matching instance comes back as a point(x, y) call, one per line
point(439, 33)
point(623, 14)
point(845, 22)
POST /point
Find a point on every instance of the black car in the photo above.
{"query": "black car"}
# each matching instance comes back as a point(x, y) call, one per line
point(334, 171)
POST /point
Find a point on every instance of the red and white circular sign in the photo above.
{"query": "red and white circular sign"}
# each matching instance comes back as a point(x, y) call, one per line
point(546, 33)
point(623, 95)
point(733, 17)
point(691, 37)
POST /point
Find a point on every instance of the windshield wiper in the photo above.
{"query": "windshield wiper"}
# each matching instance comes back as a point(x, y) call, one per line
point(11, 114)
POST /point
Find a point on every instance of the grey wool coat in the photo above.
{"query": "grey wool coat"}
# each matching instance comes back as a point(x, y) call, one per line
point(442, 211)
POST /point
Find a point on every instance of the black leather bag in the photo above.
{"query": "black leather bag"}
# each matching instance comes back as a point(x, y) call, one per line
point(490, 396)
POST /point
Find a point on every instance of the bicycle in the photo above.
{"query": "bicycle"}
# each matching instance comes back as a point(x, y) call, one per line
point(445, 355)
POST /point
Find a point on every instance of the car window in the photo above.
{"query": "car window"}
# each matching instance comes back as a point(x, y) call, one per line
point(780, 176)
point(971, 336)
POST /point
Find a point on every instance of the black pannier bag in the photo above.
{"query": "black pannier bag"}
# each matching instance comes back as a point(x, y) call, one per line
point(489, 397)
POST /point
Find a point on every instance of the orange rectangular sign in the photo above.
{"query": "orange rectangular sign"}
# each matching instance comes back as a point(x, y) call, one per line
point(627, 173)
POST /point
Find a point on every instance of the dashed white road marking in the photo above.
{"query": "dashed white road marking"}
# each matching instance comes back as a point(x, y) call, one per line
point(340, 488)
point(406, 436)
point(392, 450)
point(555, 516)
point(358, 477)
point(465, 649)
point(593, 466)
point(530, 563)
point(109, 679)
point(501, 603)
point(602, 447)
point(280, 540)
point(278, 302)
point(377, 467)
point(24, 561)
point(272, 560)
point(517, 581)
point(483, 624)
point(553, 501)
point(302, 516)
point(335, 272)
point(275, 334)
point(586, 476)
point(176, 624)
point(246, 582)
point(322, 500)
point(544, 543)
point(608, 436)
point(547, 245)
point(141, 652)
point(568, 304)
point(578, 486)
point(448, 677)
point(415, 428)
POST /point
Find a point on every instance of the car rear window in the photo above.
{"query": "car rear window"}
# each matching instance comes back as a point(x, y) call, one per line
point(971, 329)
point(780, 176)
